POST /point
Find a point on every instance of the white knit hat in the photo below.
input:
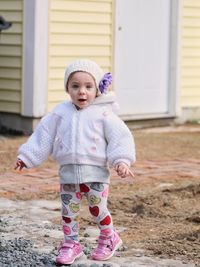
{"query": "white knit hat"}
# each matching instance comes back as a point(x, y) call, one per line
point(86, 65)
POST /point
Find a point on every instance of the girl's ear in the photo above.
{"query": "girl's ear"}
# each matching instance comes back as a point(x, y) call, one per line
point(97, 92)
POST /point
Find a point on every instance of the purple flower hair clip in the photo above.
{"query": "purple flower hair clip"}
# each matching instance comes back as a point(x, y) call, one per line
point(105, 82)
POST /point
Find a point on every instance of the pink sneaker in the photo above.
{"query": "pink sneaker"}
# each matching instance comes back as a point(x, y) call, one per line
point(68, 252)
point(107, 245)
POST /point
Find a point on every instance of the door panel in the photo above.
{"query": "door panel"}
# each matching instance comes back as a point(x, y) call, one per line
point(142, 56)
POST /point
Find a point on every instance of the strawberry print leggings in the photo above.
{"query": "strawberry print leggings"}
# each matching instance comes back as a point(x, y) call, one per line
point(96, 194)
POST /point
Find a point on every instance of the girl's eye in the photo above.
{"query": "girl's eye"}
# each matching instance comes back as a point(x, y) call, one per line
point(89, 86)
point(75, 86)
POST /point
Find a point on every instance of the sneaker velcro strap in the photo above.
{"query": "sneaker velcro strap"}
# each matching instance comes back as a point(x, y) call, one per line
point(67, 245)
point(104, 241)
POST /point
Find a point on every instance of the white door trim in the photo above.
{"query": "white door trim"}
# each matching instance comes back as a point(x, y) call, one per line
point(175, 58)
point(35, 58)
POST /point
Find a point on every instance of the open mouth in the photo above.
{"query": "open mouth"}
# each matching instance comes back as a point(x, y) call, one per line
point(82, 100)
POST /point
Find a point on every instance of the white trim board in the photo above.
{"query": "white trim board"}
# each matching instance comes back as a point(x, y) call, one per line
point(35, 58)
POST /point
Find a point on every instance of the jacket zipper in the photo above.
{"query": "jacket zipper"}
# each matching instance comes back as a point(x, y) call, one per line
point(76, 145)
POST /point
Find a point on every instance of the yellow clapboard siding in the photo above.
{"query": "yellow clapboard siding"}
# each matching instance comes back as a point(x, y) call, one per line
point(191, 42)
point(13, 16)
point(191, 3)
point(80, 51)
point(84, 39)
point(7, 84)
point(81, 28)
point(62, 61)
point(8, 5)
point(191, 12)
point(80, 17)
point(57, 73)
point(191, 32)
point(190, 101)
point(190, 90)
point(191, 22)
point(59, 95)
point(191, 62)
point(56, 84)
point(190, 81)
point(10, 96)
point(86, 6)
point(78, 29)
point(16, 28)
point(13, 62)
point(11, 107)
point(11, 39)
point(11, 50)
point(190, 52)
point(10, 73)
point(191, 72)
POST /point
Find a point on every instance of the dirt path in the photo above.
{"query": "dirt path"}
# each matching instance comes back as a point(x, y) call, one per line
point(158, 213)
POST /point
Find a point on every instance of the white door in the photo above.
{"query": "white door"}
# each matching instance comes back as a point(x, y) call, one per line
point(142, 47)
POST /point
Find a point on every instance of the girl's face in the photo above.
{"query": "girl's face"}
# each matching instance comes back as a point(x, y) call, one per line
point(82, 89)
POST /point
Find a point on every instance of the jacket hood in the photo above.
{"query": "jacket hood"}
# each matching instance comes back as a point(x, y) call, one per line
point(108, 99)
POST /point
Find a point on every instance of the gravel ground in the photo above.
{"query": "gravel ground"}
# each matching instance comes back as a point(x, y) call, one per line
point(19, 252)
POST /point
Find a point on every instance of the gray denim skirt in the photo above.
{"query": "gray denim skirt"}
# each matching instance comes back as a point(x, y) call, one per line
point(78, 174)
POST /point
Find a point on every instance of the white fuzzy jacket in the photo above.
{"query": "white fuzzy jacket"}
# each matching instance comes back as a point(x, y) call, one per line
point(91, 136)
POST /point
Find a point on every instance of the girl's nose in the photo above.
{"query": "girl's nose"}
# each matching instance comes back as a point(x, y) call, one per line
point(82, 90)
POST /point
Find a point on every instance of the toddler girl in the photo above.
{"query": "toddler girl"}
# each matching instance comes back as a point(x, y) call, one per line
point(85, 137)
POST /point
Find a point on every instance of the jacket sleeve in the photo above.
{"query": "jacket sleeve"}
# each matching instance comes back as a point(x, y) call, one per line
point(120, 141)
point(40, 144)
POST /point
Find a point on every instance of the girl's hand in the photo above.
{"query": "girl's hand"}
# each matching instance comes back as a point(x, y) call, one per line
point(123, 170)
point(19, 165)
